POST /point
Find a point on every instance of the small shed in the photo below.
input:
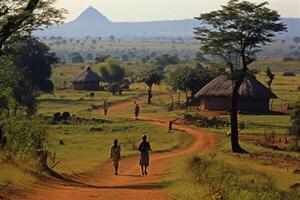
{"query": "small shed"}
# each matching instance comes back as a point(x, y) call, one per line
point(254, 96)
point(288, 74)
point(87, 80)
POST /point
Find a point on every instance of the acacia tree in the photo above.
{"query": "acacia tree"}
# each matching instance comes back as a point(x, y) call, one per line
point(236, 33)
point(150, 77)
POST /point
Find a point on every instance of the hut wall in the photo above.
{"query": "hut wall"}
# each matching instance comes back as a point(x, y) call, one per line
point(215, 103)
point(254, 105)
point(92, 86)
point(224, 104)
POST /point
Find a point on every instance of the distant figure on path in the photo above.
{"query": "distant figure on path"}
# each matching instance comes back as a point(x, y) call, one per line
point(105, 107)
point(115, 155)
point(170, 125)
point(137, 111)
point(144, 148)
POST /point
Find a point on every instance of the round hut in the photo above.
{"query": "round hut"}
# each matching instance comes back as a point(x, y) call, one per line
point(254, 96)
point(87, 80)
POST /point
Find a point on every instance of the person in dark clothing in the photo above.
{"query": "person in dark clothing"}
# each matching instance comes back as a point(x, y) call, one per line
point(115, 155)
point(137, 111)
point(144, 149)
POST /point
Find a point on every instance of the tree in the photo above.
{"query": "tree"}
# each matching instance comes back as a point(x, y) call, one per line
point(112, 72)
point(236, 33)
point(200, 57)
point(271, 77)
point(101, 58)
point(190, 79)
point(150, 77)
point(166, 59)
point(76, 58)
point(34, 66)
point(296, 40)
point(18, 18)
point(90, 56)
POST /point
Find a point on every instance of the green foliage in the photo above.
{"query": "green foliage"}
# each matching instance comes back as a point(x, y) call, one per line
point(236, 33)
point(151, 76)
point(35, 61)
point(190, 79)
point(115, 88)
point(112, 71)
point(19, 18)
point(166, 59)
point(76, 57)
point(200, 56)
point(101, 58)
point(7, 102)
point(24, 137)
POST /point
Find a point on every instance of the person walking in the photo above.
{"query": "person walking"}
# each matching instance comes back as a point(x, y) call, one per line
point(115, 155)
point(137, 111)
point(144, 149)
point(105, 107)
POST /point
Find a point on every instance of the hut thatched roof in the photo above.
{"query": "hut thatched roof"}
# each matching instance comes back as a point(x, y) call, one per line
point(88, 76)
point(222, 87)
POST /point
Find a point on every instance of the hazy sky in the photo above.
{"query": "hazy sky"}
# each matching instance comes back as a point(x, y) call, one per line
point(148, 10)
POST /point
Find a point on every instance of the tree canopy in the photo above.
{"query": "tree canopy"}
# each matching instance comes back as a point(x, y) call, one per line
point(236, 33)
point(18, 18)
point(190, 79)
point(112, 71)
point(167, 59)
point(151, 76)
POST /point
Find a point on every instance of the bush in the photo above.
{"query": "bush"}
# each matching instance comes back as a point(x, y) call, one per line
point(65, 116)
point(25, 137)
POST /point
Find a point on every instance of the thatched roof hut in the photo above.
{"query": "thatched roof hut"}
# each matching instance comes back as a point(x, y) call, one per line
point(254, 96)
point(87, 80)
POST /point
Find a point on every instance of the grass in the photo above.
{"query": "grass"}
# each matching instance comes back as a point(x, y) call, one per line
point(78, 102)
point(231, 175)
point(13, 178)
point(85, 149)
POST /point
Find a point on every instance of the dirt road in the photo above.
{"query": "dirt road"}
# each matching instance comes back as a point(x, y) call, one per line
point(101, 184)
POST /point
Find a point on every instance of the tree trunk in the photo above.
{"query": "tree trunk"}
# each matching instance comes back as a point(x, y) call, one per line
point(149, 94)
point(235, 146)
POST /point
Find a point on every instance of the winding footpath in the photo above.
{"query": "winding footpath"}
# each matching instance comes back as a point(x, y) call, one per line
point(101, 184)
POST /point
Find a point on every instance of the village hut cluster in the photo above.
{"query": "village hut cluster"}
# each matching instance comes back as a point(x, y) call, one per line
point(254, 96)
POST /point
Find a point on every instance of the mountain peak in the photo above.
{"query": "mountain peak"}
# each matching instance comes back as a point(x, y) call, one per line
point(92, 14)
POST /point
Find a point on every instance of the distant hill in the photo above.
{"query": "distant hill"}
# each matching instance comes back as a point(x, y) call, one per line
point(92, 23)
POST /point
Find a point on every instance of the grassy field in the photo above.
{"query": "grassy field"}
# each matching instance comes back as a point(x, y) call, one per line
point(222, 175)
point(79, 103)
point(86, 146)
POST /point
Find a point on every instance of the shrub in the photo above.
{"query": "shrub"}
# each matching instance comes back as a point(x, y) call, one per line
point(56, 116)
point(25, 137)
point(65, 116)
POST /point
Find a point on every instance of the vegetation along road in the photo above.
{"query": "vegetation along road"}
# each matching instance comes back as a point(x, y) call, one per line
point(100, 183)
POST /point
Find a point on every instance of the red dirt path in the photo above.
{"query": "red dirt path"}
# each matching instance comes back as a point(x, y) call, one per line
point(101, 184)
